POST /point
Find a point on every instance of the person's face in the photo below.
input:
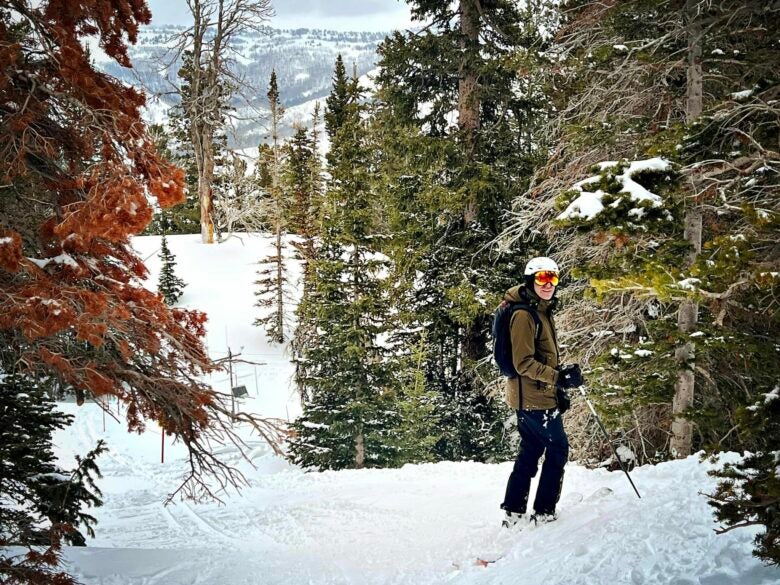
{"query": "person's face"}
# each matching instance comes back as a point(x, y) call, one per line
point(544, 292)
point(545, 283)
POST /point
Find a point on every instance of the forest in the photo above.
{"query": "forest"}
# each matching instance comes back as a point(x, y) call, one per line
point(635, 142)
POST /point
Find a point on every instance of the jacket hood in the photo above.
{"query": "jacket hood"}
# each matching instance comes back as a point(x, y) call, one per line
point(517, 294)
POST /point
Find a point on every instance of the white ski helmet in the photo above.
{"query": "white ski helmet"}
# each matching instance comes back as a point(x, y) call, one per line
point(539, 264)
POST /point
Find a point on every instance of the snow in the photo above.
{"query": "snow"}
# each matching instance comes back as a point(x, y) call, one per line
point(53, 476)
point(155, 110)
point(220, 281)
point(417, 525)
point(65, 259)
point(741, 95)
point(589, 204)
point(625, 454)
point(689, 283)
point(768, 397)
point(586, 206)
point(602, 333)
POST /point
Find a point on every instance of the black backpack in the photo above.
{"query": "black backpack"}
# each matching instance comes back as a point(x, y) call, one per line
point(502, 339)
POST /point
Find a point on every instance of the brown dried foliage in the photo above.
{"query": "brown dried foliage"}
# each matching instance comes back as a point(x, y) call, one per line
point(39, 566)
point(76, 170)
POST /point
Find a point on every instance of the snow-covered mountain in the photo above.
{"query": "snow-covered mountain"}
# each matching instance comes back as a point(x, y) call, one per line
point(418, 525)
point(302, 58)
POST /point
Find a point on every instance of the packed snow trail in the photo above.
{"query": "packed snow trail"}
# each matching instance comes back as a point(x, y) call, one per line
point(418, 525)
point(421, 524)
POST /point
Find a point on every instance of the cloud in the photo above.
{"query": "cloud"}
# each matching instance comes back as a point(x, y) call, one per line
point(336, 8)
point(338, 14)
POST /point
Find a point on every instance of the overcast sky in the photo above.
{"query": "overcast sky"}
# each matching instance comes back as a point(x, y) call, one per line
point(361, 15)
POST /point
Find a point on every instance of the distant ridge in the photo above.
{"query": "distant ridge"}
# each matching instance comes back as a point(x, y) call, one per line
point(303, 59)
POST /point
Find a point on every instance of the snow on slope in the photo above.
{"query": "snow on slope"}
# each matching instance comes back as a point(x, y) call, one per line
point(220, 282)
point(418, 525)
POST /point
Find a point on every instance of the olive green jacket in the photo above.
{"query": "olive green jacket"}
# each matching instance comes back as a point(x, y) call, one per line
point(537, 378)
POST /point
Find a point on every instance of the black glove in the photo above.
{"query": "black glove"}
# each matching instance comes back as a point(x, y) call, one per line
point(563, 399)
point(570, 376)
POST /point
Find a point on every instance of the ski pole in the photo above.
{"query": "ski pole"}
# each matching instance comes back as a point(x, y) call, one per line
point(606, 436)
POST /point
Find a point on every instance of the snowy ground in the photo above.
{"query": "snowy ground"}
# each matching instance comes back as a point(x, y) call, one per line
point(220, 281)
point(422, 524)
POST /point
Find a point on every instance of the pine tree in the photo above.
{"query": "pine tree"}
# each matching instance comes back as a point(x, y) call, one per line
point(419, 427)
point(447, 180)
point(336, 103)
point(39, 497)
point(304, 175)
point(183, 218)
point(42, 502)
point(749, 492)
point(273, 274)
point(169, 285)
point(175, 139)
point(655, 262)
point(298, 178)
point(347, 388)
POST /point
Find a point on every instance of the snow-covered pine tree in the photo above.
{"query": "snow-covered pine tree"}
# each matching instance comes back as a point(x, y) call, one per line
point(169, 285)
point(452, 124)
point(42, 504)
point(624, 96)
point(749, 492)
point(344, 380)
point(273, 272)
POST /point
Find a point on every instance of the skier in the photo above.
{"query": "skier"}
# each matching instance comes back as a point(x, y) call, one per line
point(537, 392)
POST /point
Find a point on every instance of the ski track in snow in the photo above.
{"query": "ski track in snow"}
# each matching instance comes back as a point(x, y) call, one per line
point(418, 525)
point(421, 524)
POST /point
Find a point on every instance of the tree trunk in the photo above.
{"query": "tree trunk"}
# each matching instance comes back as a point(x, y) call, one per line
point(360, 450)
point(694, 105)
point(688, 314)
point(472, 347)
point(276, 114)
point(205, 192)
point(468, 97)
point(199, 130)
point(280, 287)
point(468, 89)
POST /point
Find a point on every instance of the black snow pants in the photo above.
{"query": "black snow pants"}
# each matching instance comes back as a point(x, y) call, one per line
point(541, 431)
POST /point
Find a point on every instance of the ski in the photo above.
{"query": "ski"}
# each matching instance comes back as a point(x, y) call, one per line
point(571, 500)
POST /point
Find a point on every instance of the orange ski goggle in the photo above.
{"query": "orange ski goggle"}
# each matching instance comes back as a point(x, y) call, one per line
point(546, 277)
